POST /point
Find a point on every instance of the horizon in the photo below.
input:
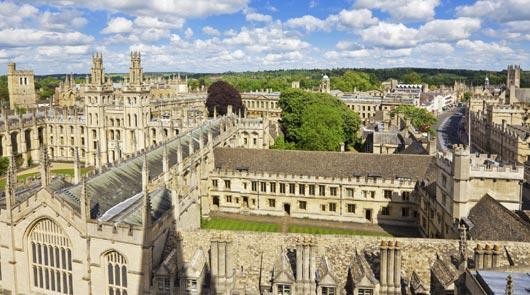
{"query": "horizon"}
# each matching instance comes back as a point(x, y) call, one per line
point(201, 36)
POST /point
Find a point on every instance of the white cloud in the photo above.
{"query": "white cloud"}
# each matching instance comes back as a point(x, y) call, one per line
point(12, 14)
point(309, 23)
point(356, 18)
point(210, 31)
point(188, 33)
point(390, 35)
point(479, 46)
point(118, 25)
point(347, 45)
point(258, 17)
point(403, 9)
point(180, 8)
point(31, 37)
point(449, 29)
point(273, 58)
point(504, 11)
point(360, 53)
point(435, 49)
point(154, 22)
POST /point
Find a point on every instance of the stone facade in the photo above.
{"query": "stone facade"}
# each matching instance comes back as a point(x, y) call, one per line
point(21, 87)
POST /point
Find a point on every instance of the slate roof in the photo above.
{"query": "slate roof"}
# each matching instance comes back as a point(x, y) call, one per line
point(324, 164)
point(360, 268)
point(444, 271)
point(492, 221)
point(122, 182)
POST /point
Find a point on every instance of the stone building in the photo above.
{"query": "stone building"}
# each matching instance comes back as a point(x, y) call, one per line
point(21, 88)
point(67, 93)
point(108, 124)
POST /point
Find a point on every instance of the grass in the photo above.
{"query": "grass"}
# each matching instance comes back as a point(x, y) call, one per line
point(333, 231)
point(238, 225)
point(64, 172)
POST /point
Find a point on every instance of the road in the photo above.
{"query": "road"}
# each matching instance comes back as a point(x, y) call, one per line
point(448, 128)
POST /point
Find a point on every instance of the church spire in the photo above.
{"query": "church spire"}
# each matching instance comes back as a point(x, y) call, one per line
point(11, 183)
point(146, 197)
point(84, 201)
point(77, 166)
point(44, 166)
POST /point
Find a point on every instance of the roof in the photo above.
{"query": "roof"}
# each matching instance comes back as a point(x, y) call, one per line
point(444, 271)
point(360, 269)
point(492, 221)
point(323, 164)
point(495, 281)
point(118, 188)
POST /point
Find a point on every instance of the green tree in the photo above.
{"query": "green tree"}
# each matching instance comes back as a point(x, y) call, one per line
point(420, 118)
point(316, 121)
point(4, 164)
point(467, 96)
point(4, 92)
point(411, 78)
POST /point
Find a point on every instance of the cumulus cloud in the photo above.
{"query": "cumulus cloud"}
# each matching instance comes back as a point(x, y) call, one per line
point(118, 25)
point(258, 17)
point(31, 37)
point(403, 9)
point(309, 23)
point(180, 8)
point(449, 29)
point(154, 22)
point(188, 33)
point(390, 35)
point(504, 11)
point(479, 46)
point(356, 18)
point(210, 31)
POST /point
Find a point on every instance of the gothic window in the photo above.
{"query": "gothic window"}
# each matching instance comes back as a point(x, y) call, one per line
point(51, 258)
point(116, 273)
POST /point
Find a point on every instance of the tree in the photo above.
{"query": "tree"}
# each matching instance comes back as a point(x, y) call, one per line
point(412, 78)
point(220, 95)
point(4, 165)
point(315, 121)
point(420, 118)
point(467, 96)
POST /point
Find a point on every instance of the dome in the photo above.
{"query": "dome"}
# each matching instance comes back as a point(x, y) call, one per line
point(325, 77)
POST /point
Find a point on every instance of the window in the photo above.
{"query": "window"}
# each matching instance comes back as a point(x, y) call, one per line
point(365, 292)
point(321, 190)
point(372, 194)
point(116, 273)
point(323, 208)
point(349, 192)
point(405, 211)
point(333, 191)
point(191, 285)
point(301, 189)
point(164, 285)
point(254, 186)
point(388, 194)
point(214, 183)
point(328, 290)
point(312, 189)
point(227, 183)
point(51, 258)
point(228, 199)
point(385, 211)
point(284, 289)
point(263, 186)
point(406, 196)
point(332, 207)
point(351, 208)
point(272, 187)
point(272, 203)
point(282, 188)
point(302, 205)
point(291, 188)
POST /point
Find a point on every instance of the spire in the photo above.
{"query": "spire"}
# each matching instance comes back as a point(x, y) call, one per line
point(165, 161)
point(11, 183)
point(509, 285)
point(77, 166)
point(462, 246)
point(145, 173)
point(84, 201)
point(44, 166)
point(98, 158)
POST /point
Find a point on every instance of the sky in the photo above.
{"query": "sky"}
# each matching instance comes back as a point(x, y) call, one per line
point(59, 36)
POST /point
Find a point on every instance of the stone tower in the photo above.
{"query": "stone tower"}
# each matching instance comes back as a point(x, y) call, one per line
point(21, 87)
point(98, 94)
point(135, 95)
point(513, 76)
point(461, 176)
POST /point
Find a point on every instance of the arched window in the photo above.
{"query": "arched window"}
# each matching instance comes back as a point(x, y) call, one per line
point(116, 268)
point(51, 258)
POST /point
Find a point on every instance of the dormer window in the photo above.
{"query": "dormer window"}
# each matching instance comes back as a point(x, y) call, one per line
point(365, 292)
point(191, 285)
point(284, 289)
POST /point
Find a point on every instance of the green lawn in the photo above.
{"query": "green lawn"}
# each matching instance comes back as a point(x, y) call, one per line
point(238, 225)
point(332, 231)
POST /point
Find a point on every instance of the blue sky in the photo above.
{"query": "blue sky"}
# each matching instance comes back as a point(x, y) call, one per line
point(58, 36)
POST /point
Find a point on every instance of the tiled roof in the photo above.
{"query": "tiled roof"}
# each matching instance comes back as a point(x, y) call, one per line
point(492, 221)
point(323, 164)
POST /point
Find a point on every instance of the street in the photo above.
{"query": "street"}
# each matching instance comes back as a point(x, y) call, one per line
point(448, 128)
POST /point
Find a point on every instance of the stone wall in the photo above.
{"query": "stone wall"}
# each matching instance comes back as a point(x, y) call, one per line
point(254, 249)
